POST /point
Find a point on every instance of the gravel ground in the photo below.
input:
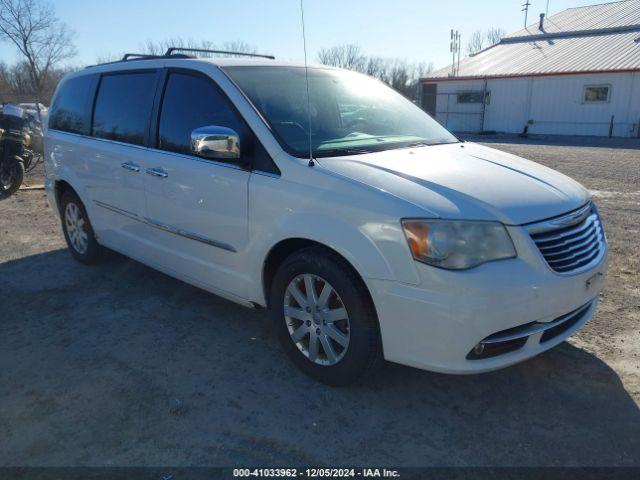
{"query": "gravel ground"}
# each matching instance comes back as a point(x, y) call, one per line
point(120, 365)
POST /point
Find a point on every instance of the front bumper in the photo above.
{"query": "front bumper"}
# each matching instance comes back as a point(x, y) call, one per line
point(435, 325)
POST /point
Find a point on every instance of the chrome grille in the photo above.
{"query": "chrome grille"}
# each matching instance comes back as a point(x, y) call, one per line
point(572, 241)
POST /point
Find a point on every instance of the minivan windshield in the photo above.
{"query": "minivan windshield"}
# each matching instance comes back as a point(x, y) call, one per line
point(350, 113)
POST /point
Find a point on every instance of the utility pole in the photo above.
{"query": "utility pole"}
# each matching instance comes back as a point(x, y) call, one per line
point(458, 52)
point(525, 9)
point(454, 48)
point(546, 13)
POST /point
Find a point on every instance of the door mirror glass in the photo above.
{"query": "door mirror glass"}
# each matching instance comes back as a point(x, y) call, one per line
point(215, 143)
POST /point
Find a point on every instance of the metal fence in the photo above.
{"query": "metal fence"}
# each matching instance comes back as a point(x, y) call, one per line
point(457, 111)
point(471, 111)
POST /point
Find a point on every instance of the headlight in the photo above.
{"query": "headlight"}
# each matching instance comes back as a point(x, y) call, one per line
point(457, 245)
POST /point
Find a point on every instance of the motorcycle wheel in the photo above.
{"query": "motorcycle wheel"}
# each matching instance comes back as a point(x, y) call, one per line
point(11, 176)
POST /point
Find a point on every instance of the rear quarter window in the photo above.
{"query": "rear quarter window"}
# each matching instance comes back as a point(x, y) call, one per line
point(71, 107)
point(123, 106)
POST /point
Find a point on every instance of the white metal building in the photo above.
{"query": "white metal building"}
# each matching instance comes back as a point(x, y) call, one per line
point(576, 73)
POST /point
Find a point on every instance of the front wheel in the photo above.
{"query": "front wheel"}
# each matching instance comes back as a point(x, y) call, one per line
point(11, 175)
point(324, 317)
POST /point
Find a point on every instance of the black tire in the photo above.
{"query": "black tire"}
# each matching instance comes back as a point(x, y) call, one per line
point(11, 176)
point(92, 253)
point(363, 355)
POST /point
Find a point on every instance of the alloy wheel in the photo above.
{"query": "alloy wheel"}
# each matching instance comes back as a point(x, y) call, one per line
point(76, 228)
point(316, 319)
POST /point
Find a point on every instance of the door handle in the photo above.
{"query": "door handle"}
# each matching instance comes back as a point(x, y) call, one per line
point(157, 172)
point(131, 166)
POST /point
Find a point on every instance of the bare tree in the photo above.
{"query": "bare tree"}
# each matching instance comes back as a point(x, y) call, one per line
point(344, 56)
point(40, 37)
point(480, 40)
point(376, 67)
point(494, 35)
point(6, 89)
point(15, 83)
point(238, 46)
point(475, 43)
point(107, 58)
point(401, 75)
point(404, 77)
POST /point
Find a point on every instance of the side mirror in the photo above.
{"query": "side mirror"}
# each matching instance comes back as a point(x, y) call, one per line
point(215, 143)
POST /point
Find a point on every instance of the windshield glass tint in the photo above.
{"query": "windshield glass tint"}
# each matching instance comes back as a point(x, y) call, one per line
point(350, 113)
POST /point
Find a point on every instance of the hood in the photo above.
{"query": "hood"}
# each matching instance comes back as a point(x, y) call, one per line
point(465, 181)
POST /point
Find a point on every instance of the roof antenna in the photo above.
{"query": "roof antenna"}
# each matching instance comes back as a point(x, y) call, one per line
point(306, 76)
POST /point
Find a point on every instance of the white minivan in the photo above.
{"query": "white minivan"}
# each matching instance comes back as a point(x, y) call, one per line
point(367, 229)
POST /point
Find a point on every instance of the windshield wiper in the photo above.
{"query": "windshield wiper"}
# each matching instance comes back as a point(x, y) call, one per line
point(424, 144)
point(336, 152)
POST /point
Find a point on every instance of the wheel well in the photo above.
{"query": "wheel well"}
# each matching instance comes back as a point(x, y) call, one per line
point(283, 249)
point(60, 188)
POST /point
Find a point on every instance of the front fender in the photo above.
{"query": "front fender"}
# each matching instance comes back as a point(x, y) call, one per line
point(346, 239)
point(350, 241)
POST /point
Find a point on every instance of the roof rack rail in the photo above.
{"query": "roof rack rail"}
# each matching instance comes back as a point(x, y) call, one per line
point(129, 57)
point(148, 56)
point(170, 51)
point(132, 56)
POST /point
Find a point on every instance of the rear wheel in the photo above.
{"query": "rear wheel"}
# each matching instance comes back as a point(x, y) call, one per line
point(77, 230)
point(325, 320)
point(11, 175)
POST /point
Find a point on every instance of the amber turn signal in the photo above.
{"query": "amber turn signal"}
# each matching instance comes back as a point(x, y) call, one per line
point(417, 236)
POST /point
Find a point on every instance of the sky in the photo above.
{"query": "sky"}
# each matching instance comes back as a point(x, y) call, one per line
point(414, 30)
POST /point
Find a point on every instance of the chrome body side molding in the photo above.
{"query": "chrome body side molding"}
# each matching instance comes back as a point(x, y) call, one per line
point(121, 211)
point(168, 228)
point(190, 235)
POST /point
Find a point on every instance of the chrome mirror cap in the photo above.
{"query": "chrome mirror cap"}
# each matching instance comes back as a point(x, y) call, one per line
point(216, 143)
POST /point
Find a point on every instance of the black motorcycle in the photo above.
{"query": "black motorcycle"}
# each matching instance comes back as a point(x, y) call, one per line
point(16, 157)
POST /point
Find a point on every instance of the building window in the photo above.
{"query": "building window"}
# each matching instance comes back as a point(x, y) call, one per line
point(596, 93)
point(473, 97)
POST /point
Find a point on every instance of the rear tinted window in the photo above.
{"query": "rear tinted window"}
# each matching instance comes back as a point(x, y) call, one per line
point(190, 102)
point(123, 106)
point(70, 109)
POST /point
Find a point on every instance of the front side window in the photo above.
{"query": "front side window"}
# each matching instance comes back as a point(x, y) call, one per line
point(596, 93)
point(69, 112)
point(123, 106)
point(348, 113)
point(191, 102)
